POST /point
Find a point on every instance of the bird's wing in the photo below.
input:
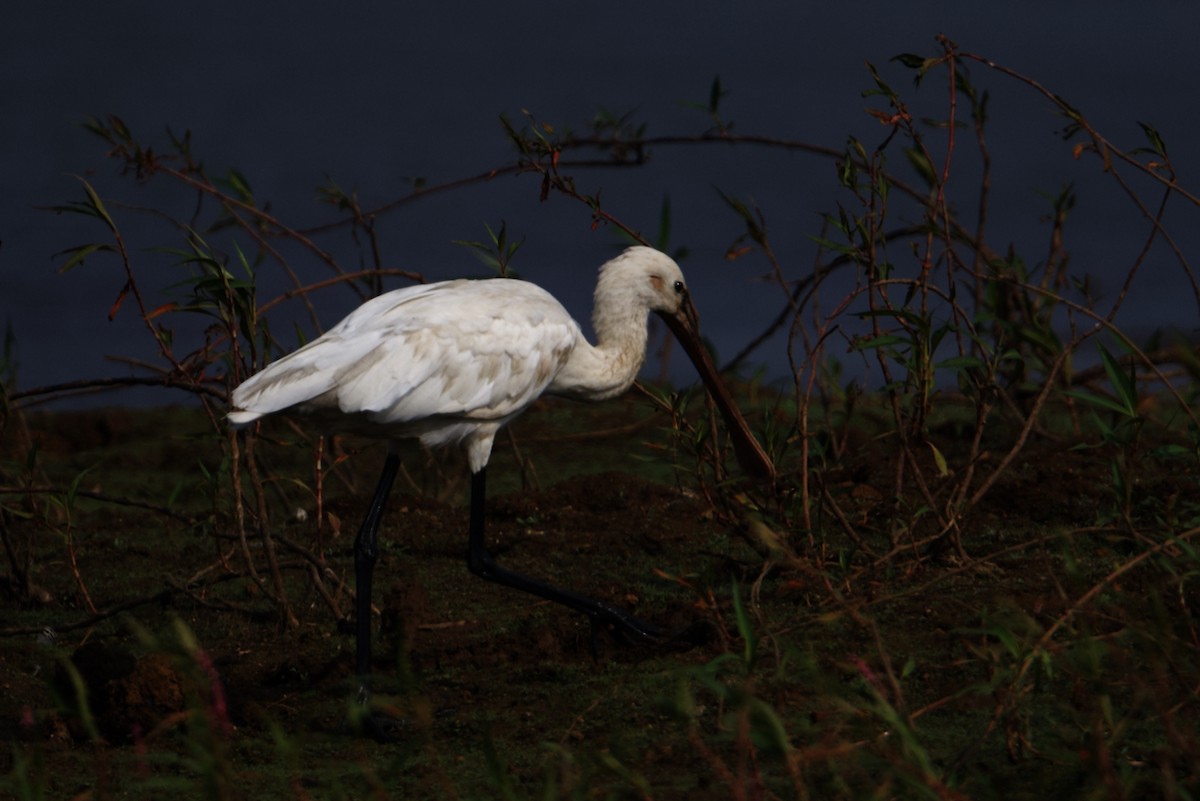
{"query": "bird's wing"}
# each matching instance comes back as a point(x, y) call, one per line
point(484, 350)
point(467, 349)
point(311, 372)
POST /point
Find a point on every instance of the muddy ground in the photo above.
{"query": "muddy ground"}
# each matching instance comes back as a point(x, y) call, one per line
point(198, 686)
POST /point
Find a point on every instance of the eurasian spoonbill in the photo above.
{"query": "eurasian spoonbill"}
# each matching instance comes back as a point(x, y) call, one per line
point(452, 362)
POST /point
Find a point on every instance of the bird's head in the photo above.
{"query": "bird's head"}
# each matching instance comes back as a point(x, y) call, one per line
point(647, 278)
point(653, 280)
point(644, 279)
point(659, 285)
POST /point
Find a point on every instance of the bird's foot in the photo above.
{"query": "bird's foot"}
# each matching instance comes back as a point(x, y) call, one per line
point(631, 630)
point(369, 717)
point(381, 727)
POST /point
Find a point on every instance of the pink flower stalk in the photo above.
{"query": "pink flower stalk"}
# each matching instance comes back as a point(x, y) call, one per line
point(217, 708)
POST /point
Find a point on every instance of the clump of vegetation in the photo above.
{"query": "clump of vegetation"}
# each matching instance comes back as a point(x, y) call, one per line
point(976, 575)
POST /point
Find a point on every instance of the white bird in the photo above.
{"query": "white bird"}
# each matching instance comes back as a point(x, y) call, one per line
point(452, 362)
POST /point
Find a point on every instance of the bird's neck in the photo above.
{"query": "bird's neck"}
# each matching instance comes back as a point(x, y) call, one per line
point(608, 368)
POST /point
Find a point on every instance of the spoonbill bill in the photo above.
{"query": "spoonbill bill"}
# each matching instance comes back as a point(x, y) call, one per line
point(451, 362)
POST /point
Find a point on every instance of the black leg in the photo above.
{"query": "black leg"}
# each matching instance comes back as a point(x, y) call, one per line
point(366, 554)
point(481, 563)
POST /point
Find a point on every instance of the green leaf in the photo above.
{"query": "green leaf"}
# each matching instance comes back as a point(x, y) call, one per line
point(80, 253)
point(1007, 638)
point(922, 165)
point(1096, 400)
point(97, 205)
point(769, 726)
point(745, 628)
point(960, 363)
point(715, 94)
point(91, 207)
point(1157, 144)
point(238, 183)
point(881, 85)
point(882, 341)
point(912, 60)
point(830, 245)
point(940, 460)
point(1125, 385)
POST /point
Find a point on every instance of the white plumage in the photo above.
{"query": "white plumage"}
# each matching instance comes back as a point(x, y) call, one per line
point(455, 361)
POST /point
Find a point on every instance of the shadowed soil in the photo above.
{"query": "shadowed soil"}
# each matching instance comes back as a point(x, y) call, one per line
point(187, 660)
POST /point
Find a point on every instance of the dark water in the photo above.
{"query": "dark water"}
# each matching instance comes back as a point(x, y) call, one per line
point(372, 95)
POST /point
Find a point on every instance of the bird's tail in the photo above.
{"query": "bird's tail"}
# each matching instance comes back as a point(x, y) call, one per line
point(239, 418)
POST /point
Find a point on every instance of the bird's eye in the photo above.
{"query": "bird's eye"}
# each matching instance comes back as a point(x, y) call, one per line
point(678, 287)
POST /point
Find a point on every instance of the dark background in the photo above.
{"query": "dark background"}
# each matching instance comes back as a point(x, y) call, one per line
point(374, 94)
